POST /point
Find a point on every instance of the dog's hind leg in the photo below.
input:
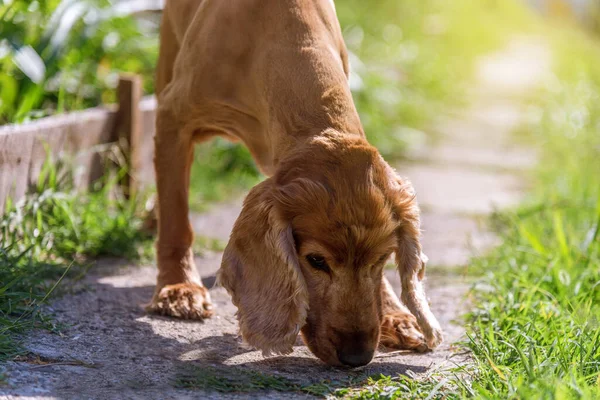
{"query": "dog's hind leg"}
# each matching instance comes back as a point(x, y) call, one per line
point(179, 290)
point(399, 328)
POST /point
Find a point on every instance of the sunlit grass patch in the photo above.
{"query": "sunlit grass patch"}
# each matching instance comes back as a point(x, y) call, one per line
point(58, 222)
point(227, 379)
point(403, 387)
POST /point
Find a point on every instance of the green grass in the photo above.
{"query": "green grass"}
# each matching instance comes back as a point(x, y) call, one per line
point(227, 379)
point(26, 285)
point(58, 229)
point(57, 222)
point(403, 387)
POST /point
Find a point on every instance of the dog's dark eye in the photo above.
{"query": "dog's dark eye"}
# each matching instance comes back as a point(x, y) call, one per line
point(317, 262)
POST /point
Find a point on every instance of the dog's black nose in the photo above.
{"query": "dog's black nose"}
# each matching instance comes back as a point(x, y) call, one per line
point(355, 358)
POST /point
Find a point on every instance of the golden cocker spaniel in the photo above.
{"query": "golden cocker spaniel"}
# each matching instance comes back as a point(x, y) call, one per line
point(308, 250)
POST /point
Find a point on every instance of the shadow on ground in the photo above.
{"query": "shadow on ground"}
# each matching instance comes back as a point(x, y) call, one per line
point(109, 346)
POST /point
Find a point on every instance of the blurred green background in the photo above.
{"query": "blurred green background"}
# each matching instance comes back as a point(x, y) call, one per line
point(409, 59)
point(410, 62)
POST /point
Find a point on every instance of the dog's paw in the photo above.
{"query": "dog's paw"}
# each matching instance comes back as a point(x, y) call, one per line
point(400, 331)
point(183, 300)
point(434, 337)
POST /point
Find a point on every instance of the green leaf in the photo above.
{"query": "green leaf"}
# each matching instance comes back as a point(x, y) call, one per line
point(8, 93)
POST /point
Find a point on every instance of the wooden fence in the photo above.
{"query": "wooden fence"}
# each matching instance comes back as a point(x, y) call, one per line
point(24, 148)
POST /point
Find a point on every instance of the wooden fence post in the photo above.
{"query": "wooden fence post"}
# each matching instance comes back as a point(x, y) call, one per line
point(129, 126)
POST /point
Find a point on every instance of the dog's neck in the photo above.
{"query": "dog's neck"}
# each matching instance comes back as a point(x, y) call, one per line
point(328, 155)
point(296, 144)
point(332, 114)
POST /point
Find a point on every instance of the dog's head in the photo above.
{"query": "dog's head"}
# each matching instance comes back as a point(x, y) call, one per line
point(308, 250)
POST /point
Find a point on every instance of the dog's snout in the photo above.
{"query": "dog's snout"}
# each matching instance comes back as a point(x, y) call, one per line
point(355, 349)
point(355, 357)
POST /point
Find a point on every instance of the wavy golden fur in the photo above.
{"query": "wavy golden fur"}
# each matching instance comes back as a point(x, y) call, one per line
point(308, 249)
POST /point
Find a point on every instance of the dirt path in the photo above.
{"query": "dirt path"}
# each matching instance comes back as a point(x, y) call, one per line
point(110, 348)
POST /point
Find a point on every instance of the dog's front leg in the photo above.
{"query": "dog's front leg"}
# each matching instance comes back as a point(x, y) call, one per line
point(179, 290)
point(399, 328)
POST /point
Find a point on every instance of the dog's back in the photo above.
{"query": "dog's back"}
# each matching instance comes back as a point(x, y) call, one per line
point(263, 71)
point(233, 15)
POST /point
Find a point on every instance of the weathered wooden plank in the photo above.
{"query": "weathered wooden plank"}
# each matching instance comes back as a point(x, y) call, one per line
point(73, 141)
point(145, 150)
point(84, 142)
point(24, 148)
point(73, 138)
point(15, 157)
point(129, 125)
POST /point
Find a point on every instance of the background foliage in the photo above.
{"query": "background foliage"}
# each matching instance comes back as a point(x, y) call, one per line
point(57, 56)
point(409, 59)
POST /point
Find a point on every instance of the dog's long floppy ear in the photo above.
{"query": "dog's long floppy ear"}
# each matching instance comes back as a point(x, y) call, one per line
point(411, 260)
point(260, 270)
